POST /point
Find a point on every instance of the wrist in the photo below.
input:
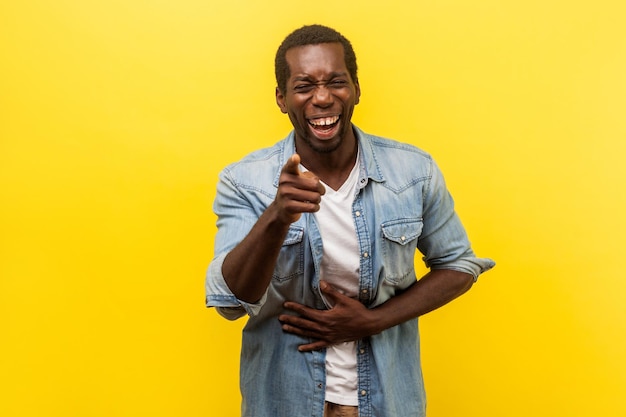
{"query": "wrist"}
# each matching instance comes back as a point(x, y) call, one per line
point(374, 322)
point(278, 218)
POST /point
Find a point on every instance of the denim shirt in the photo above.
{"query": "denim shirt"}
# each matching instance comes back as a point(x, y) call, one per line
point(402, 205)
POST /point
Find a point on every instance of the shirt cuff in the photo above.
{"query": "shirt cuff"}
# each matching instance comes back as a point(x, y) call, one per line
point(218, 294)
point(472, 266)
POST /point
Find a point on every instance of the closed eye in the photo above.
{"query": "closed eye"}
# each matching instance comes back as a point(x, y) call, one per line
point(338, 83)
point(303, 88)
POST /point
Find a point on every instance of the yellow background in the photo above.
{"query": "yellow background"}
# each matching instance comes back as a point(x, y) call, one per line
point(116, 116)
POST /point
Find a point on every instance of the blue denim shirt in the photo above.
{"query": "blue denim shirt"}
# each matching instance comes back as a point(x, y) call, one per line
point(402, 205)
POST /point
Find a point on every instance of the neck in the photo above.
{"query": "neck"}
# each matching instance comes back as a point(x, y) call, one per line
point(333, 168)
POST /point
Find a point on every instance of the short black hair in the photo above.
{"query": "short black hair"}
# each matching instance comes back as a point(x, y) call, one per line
point(311, 35)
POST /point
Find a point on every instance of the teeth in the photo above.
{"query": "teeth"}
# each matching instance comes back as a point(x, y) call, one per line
point(324, 121)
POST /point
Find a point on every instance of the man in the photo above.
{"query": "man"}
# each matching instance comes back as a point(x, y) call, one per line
point(316, 243)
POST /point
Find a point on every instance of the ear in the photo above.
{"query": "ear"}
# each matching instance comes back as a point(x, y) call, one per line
point(280, 100)
point(358, 92)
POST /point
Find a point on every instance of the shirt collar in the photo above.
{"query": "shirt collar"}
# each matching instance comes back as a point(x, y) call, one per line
point(369, 165)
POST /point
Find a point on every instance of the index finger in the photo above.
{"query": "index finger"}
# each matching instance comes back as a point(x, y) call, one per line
point(292, 165)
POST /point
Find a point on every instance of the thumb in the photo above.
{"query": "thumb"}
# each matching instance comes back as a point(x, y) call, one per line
point(330, 291)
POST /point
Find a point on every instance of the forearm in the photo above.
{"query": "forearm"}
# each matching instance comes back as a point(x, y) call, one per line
point(350, 320)
point(248, 268)
point(434, 290)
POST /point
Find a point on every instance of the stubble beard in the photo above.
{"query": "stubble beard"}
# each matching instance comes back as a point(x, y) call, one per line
point(322, 149)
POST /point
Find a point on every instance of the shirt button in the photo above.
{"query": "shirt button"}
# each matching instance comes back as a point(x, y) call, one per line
point(364, 291)
point(358, 213)
point(363, 392)
point(403, 238)
point(361, 351)
point(365, 254)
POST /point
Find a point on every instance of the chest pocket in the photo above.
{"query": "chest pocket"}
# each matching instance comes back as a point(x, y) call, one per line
point(399, 244)
point(290, 261)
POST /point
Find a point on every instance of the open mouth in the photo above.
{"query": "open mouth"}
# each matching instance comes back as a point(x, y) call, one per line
point(324, 124)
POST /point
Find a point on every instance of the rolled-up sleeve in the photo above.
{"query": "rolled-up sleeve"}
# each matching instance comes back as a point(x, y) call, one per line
point(444, 242)
point(218, 294)
point(235, 219)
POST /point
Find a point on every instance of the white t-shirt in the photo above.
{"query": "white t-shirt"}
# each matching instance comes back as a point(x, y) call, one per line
point(340, 267)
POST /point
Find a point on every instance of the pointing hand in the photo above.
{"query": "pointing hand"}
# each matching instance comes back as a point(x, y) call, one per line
point(298, 192)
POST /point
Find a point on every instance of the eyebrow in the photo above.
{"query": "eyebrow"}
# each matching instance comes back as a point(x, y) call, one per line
point(310, 78)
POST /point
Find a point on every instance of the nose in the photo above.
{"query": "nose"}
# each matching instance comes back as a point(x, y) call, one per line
point(322, 96)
